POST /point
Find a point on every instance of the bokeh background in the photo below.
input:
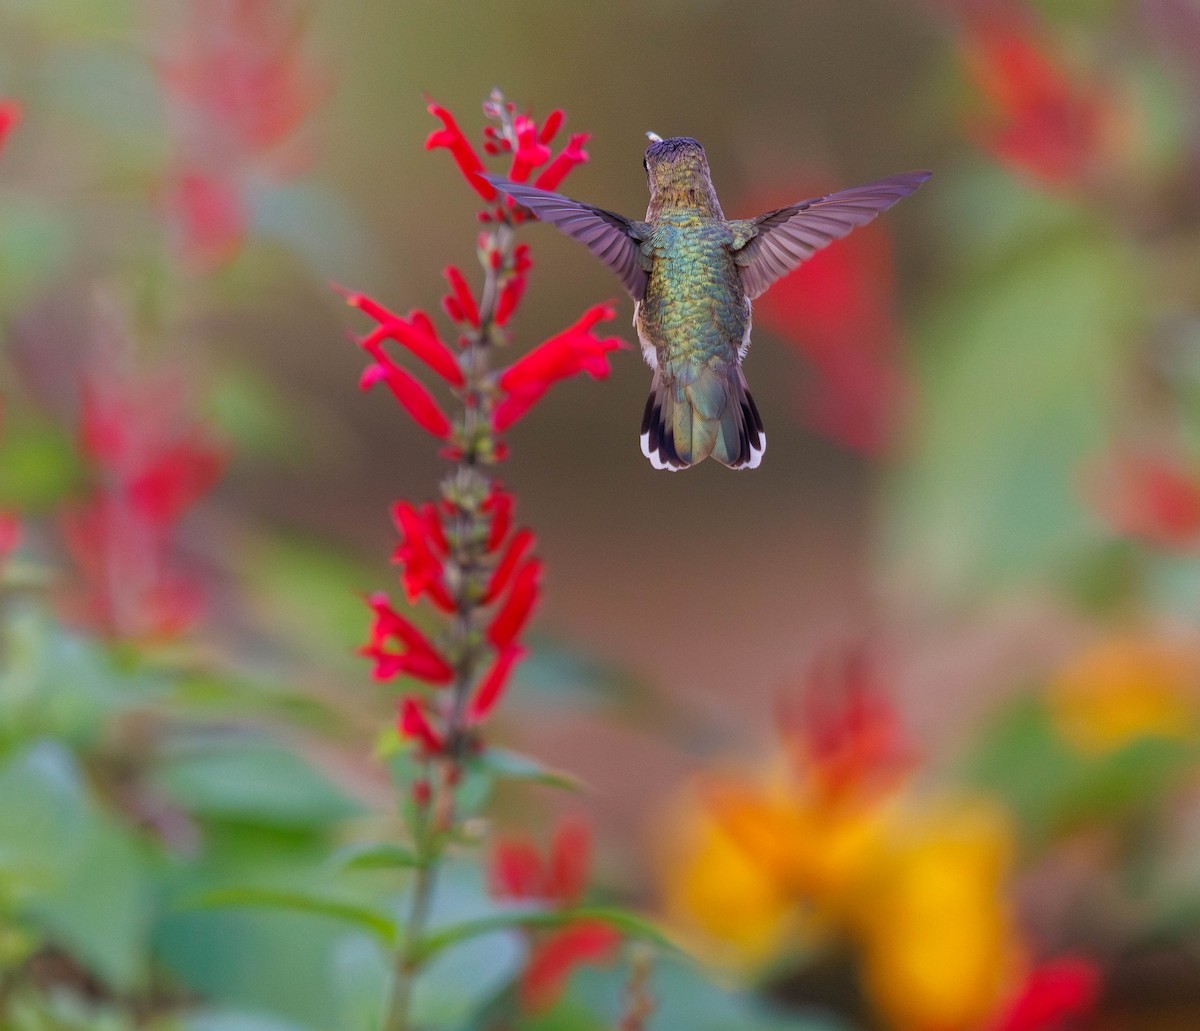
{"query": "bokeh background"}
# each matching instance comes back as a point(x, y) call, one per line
point(898, 729)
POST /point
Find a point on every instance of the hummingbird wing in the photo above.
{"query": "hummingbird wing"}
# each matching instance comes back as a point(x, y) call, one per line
point(773, 244)
point(614, 239)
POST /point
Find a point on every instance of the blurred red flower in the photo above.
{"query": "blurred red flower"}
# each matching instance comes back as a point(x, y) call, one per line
point(1054, 994)
point(150, 462)
point(239, 89)
point(1039, 120)
point(1150, 497)
point(519, 873)
point(844, 730)
point(10, 116)
point(838, 310)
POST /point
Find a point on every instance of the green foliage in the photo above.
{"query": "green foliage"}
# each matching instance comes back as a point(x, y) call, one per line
point(1053, 787)
point(1017, 369)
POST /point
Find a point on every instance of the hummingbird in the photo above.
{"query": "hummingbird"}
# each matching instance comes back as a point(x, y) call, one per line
point(692, 275)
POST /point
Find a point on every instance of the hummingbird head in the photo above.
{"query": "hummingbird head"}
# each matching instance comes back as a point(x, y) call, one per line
point(678, 176)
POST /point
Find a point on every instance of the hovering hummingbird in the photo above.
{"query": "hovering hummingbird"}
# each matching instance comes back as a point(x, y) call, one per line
point(692, 275)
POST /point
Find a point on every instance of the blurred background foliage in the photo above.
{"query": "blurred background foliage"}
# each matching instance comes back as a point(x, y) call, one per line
point(897, 732)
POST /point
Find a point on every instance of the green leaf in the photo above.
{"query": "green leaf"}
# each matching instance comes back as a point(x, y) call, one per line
point(373, 855)
point(1017, 384)
point(378, 924)
point(619, 919)
point(253, 780)
point(509, 765)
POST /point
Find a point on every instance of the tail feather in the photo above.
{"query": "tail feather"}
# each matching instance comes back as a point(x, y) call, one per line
point(711, 414)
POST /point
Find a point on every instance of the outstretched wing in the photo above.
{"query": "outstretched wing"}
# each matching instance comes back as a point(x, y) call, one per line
point(773, 244)
point(614, 239)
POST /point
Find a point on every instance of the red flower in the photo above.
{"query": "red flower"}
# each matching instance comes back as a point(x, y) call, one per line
point(507, 624)
point(571, 155)
point(1039, 121)
point(422, 552)
point(412, 722)
point(399, 647)
point(492, 686)
point(520, 543)
point(208, 209)
point(845, 731)
point(516, 134)
point(149, 465)
point(451, 137)
point(1150, 497)
point(1053, 994)
point(10, 116)
point(239, 90)
point(576, 349)
point(413, 397)
point(554, 959)
point(416, 333)
point(10, 534)
point(838, 309)
point(460, 305)
point(512, 287)
point(518, 872)
point(499, 505)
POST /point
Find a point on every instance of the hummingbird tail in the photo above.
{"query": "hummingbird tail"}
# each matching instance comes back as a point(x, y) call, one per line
point(692, 416)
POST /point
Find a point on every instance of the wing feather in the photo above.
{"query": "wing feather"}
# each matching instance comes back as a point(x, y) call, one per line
point(778, 241)
point(612, 238)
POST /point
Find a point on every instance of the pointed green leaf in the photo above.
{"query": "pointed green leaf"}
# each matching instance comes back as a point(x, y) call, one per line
point(373, 855)
point(377, 923)
point(621, 920)
point(509, 765)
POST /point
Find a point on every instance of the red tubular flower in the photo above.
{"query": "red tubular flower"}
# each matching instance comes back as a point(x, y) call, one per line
point(571, 155)
point(421, 553)
point(1054, 994)
point(413, 723)
point(399, 647)
point(494, 682)
point(451, 137)
point(515, 870)
point(520, 543)
point(570, 862)
point(10, 116)
point(1040, 122)
point(508, 623)
point(576, 349)
point(416, 333)
point(555, 958)
point(464, 303)
point(518, 872)
point(413, 397)
point(499, 505)
point(551, 125)
point(530, 151)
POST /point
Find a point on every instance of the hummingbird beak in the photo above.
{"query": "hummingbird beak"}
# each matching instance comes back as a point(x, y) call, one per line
point(653, 137)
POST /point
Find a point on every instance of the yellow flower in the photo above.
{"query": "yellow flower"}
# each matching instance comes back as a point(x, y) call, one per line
point(721, 893)
point(758, 865)
point(938, 944)
point(1122, 690)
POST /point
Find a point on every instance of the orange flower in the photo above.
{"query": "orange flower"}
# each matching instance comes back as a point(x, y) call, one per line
point(1118, 691)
